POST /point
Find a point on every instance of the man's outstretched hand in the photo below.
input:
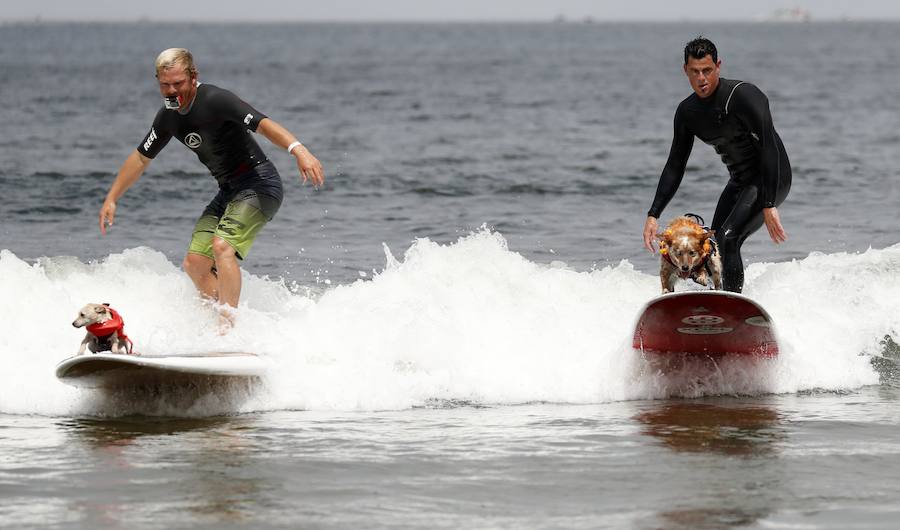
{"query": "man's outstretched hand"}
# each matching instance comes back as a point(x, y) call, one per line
point(310, 167)
point(107, 215)
point(650, 228)
point(773, 225)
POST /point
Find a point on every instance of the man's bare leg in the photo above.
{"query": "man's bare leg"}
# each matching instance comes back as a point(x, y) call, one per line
point(199, 269)
point(229, 284)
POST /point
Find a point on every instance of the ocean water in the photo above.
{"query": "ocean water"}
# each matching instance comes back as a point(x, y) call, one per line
point(448, 320)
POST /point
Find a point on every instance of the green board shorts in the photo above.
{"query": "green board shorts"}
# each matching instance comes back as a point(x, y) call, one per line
point(236, 217)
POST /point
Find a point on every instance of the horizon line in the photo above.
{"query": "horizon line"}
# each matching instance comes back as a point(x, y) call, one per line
point(562, 20)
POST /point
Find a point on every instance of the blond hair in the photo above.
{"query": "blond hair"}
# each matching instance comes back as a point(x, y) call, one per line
point(176, 56)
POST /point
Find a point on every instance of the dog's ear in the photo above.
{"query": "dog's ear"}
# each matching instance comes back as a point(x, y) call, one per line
point(106, 304)
point(100, 309)
point(707, 244)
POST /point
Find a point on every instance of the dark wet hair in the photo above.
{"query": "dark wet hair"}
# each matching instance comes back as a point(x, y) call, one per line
point(700, 48)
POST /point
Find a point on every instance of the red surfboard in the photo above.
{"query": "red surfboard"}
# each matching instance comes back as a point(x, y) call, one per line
point(705, 322)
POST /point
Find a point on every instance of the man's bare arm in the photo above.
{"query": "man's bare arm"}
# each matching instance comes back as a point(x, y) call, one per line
point(129, 173)
point(309, 166)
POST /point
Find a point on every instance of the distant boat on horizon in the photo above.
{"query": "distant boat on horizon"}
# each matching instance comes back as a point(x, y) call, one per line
point(788, 14)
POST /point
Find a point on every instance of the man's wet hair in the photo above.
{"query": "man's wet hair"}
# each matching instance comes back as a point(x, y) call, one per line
point(700, 48)
point(175, 57)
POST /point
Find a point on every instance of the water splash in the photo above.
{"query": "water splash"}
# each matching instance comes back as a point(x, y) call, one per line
point(467, 322)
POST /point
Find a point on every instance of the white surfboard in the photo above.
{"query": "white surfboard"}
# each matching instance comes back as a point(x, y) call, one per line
point(108, 370)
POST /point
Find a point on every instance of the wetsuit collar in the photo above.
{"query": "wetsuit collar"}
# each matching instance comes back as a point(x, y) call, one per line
point(713, 98)
point(193, 100)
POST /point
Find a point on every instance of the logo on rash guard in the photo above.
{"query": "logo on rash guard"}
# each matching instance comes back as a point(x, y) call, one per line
point(150, 138)
point(247, 119)
point(193, 140)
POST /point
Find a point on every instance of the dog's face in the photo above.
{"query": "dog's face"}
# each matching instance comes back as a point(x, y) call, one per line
point(686, 252)
point(686, 244)
point(92, 314)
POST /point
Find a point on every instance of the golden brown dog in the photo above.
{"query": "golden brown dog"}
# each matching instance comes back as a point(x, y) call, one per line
point(688, 251)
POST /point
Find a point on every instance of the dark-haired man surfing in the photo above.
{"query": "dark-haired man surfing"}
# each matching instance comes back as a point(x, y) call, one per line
point(732, 116)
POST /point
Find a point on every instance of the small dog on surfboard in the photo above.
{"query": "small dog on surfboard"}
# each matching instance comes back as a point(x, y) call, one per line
point(105, 330)
point(688, 250)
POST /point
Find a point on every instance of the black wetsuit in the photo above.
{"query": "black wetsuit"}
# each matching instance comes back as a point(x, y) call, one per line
point(217, 128)
point(736, 121)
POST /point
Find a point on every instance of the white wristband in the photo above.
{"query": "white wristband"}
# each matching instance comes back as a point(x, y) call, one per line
point(293, 145)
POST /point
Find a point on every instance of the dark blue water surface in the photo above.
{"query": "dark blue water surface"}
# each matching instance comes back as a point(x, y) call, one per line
point(552, 134)
point(467, 387)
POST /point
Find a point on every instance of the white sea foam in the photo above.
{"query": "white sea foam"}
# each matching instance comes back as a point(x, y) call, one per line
point(469, 321)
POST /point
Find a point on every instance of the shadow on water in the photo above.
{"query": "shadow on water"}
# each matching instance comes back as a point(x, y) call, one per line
point(166, 471)
point(705, 427)
point(712, 518)
point(747, 432)
point(126, 430)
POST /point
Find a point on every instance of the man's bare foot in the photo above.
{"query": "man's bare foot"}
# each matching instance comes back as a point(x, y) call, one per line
point(226, 319)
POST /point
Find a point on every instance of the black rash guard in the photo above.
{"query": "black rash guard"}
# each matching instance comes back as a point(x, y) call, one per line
point(216, 127)
point(737, 122)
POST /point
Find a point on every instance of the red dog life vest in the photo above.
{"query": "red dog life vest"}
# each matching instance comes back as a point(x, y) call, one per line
point(103, 330)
